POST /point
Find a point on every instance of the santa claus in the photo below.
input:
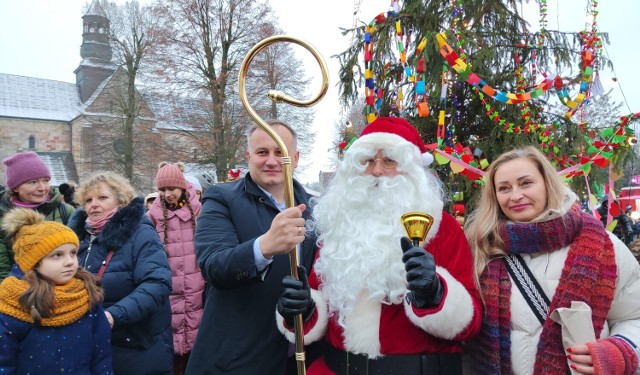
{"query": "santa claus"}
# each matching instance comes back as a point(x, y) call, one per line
point(381, 304)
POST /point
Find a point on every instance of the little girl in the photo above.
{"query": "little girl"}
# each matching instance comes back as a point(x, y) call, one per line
point(174, 216)
point(51, 320)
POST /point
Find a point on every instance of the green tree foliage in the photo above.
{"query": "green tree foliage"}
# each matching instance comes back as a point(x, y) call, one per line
point(497, 44)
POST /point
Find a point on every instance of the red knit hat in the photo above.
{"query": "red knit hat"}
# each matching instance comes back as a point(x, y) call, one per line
point(390, 131)
point(23, 167)
point(170, 175)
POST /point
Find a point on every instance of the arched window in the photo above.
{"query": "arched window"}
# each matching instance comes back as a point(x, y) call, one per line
point(32, 142)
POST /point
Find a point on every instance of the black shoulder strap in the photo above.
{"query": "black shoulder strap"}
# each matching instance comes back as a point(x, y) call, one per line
point(64, 215)
point(528, 286)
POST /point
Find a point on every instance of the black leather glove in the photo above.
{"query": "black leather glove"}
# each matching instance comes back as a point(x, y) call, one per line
point(296, 297)
point(423, 282)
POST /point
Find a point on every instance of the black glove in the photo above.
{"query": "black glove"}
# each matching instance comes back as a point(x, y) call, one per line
point(296, 297)
point(423, 282)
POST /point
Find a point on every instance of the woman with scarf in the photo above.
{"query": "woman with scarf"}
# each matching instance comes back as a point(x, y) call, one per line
point(532, 247)
point(28, 182)
point(119, 243)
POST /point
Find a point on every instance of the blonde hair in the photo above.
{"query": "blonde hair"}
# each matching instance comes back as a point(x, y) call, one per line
point(118, 184)
point(482, 225)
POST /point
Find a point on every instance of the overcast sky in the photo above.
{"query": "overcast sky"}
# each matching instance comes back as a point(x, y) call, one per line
point(41, 38)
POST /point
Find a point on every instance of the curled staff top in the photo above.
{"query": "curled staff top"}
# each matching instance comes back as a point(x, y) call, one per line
point(278, 96)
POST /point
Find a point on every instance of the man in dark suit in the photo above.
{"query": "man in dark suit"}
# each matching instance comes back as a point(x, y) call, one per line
point(243, 237)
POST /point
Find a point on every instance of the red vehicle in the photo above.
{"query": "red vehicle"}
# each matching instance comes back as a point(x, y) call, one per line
point(630, 196)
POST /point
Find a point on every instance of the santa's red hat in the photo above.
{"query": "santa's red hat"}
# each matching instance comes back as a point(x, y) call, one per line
point(391, 131)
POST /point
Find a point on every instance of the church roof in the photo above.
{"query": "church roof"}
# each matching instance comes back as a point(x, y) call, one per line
point(45, 99)
point(37, 98)
point(175, 113)
point(61, 165)
point(95, 9)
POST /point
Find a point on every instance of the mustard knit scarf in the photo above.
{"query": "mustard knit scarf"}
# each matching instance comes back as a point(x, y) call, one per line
point(70, 302)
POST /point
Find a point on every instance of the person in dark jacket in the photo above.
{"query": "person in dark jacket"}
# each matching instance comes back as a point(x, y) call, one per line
point(119, 243)
point(68, 190)
point(624, 226)
point(243, 237)
point(28, 181)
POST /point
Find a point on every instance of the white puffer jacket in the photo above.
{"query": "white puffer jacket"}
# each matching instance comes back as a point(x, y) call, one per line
point(624, 315)
point(623, 318)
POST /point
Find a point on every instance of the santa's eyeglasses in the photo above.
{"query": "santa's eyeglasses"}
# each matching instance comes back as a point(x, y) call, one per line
point(385, 162)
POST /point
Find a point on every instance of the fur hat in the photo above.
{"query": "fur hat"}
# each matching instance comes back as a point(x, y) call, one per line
point(33, 237)
point(170, 175)
point(194, 181)
point(389, 131)
point(23, 167)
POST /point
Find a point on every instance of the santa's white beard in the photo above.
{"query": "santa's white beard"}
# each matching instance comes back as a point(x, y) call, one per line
point(360, 229)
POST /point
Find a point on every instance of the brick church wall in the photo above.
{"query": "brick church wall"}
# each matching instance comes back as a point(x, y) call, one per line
point(48, 135)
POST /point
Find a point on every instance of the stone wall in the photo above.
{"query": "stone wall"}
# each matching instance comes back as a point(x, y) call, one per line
point(48, 135)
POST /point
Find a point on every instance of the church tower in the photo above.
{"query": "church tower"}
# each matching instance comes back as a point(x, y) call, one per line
point(95, 51)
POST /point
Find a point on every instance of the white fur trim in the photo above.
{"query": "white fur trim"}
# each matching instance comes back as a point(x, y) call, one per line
point(381, 140)
point(455, 315)
point(427, 159)
point(362, 331)
point(435, 227)
point(317, 332)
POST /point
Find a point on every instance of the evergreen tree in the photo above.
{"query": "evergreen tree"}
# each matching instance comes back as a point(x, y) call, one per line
point(494, 42)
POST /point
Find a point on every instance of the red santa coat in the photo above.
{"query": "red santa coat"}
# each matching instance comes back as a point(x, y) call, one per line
point(379, 329)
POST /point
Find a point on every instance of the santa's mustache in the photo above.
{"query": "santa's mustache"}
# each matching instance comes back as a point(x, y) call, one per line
point(381, 182)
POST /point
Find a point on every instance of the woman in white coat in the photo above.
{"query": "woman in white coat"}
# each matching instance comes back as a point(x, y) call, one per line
point(528, 226)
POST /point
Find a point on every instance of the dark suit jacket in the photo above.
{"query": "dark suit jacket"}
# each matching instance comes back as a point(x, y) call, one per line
point(238, 332)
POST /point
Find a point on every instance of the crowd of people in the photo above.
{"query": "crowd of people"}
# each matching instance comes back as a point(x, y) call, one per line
point(197, 277)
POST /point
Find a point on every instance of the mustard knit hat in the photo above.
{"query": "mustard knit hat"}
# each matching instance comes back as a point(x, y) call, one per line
point(33, 237)
point(170, 175)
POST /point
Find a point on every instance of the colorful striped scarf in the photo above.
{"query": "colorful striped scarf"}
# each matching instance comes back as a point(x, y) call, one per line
point(179, 204)
point(589, 274)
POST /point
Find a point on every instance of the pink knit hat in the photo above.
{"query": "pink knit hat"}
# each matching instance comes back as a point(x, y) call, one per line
point(170, 175)
point(23, 167)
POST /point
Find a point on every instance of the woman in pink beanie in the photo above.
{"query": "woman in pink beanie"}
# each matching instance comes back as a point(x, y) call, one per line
point(28, 187)
point(174, 215)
